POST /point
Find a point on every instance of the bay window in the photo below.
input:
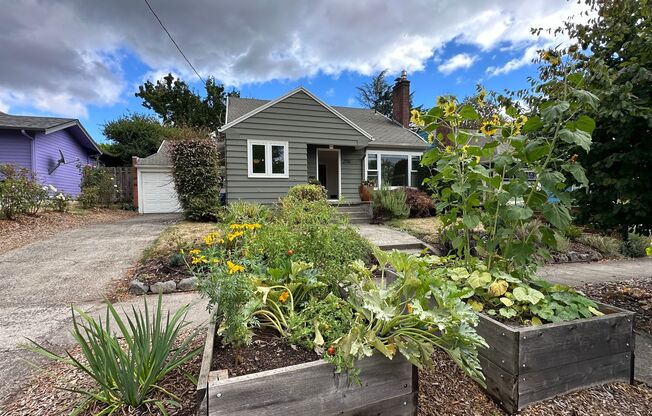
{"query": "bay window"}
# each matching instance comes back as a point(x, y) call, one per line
point(267, 159)
point(392, 168)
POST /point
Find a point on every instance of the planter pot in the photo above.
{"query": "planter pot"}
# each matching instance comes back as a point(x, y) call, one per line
point(365, 193)
point(389, 387)
point(524, 365)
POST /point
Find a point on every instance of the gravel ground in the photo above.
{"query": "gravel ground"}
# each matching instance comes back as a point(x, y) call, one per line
point(22, 231)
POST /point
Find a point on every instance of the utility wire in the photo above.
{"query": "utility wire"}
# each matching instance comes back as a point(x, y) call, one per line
point(173, 41)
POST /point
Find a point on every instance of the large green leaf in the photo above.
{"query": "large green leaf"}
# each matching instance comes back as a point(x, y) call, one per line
point(551, 180)
point(535, 151)
point(557, 215)
point(578, 137)
point(516, 212)
point(585, 123)
point(468, 113)
point(533, 123)
point(479, 279)
point(527, 294)
point(553, 111)
point(577, 171)
point(587, 98)
point(471, 221)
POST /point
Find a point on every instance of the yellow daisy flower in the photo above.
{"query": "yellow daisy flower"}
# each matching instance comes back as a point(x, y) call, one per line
point(234, 268)
point(284, 296)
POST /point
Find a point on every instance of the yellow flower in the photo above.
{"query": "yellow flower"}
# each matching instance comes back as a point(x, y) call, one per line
point(200, 259)
point(194, 251)
point(232, 236)
point(234, 268)
point(208, 240)
point(477, 159)
point(221, 241)
point(449, 108)
point(215, 261)
point(416, 118)
point(465, 148)
point(487, 128)
point(431, 137)
point(284, 296)
point(448, 149)
point(409, 308)
point(521, 120)
point(481, 97)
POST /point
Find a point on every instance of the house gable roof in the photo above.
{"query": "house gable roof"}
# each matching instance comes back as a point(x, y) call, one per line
point(232, 121)
point(384, 131)
point(48, 125)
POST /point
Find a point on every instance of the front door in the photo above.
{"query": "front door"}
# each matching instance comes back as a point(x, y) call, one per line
point(328, 171)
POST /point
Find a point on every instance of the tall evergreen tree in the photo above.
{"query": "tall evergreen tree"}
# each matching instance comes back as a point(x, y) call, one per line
point(377, 94)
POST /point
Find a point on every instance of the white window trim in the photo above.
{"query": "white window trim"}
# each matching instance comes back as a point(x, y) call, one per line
point(379, 154)
point(268, 159)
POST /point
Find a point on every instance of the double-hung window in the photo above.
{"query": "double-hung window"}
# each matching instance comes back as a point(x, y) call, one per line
point(267, 159)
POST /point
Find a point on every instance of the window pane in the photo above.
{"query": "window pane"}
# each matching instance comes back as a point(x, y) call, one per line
point(414, 179)
point(278, 159)
point(372, 176)
point(394, 169)
point(372, 162)
point(415, 162)
point(258, 158)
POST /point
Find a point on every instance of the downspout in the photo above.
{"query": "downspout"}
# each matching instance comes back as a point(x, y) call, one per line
point(33, 149)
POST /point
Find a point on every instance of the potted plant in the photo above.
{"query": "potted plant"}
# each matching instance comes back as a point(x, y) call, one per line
point(365, 189)
point(504, 191)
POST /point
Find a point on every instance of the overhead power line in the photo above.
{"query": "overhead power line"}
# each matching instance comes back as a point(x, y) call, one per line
point(173, 41)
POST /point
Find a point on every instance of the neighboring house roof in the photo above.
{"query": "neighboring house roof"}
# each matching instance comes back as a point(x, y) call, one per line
point(47, 125)
point(160, 158)
point(380, 129)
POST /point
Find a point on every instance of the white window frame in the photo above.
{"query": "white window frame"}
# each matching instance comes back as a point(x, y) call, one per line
point(268, 159)
point(379, 154)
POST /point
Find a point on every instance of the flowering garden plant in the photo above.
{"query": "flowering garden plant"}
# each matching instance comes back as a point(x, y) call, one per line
point(494, 182)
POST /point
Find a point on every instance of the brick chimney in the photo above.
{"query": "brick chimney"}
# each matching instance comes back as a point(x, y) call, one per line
point(401, 100)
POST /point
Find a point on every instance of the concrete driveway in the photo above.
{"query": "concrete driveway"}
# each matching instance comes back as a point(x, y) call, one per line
point(40, 281)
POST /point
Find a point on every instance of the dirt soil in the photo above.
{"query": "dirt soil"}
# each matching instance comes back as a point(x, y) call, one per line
point(44, 396)
point(267, 352)
point(633, 295)
point(24, 229)
point(445, 390)
point(159, 270)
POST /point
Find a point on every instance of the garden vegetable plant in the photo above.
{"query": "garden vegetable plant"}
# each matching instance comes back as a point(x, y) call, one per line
point(306, 275)
point(494, 185)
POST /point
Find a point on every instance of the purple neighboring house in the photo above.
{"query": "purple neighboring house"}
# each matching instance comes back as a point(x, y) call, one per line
point(37, 144)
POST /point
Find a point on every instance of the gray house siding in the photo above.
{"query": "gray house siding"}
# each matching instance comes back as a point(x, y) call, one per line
point(303, 123)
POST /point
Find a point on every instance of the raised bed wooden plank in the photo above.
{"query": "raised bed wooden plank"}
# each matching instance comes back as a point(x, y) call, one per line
point(501, 385)
point(503, 343)
point(207, 358)
point(550, 382)
point(311, 388)
point(555, 345)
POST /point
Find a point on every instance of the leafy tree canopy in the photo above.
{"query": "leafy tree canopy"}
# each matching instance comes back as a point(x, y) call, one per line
point(377, 94)
point(178, 105)
point(614, 47)
point(134, 135)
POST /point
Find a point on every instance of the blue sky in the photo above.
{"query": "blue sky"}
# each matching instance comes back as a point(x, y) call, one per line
point(85, 59)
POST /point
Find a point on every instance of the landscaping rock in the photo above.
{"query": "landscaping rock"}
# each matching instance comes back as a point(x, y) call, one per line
point(136, 287)
point(186, 284)
point(573, 257)
point(164, 287)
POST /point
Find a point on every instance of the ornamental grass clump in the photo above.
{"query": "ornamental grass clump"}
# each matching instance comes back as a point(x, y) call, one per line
point(511, 178)
point(127, 375)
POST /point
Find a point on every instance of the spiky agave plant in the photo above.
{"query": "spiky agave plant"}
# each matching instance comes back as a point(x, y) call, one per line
point(127, 375)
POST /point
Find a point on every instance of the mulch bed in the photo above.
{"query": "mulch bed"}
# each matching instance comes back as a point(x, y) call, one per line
point(24, 229)
point(43, 395)
point(634, 295)
point(266, 352)
point(445, 390)
point(159, 270)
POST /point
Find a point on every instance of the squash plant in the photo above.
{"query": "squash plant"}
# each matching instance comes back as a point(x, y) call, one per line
point(493, 183)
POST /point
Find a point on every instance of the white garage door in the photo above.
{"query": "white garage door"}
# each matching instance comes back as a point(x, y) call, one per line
point(158, 194)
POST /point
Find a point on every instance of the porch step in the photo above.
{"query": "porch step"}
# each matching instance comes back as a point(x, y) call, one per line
point(357, 214)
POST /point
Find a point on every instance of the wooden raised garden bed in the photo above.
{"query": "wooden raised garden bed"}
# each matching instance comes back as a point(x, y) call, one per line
point(524, 365)
point(389, 387)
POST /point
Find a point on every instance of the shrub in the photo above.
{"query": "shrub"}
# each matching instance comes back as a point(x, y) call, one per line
point(97, 187)
point(60, 202)
point(242, 211)
point(420, 203)
point(573, 232)
point(388, 204)
point(197, 175)
point(562, 243)
point(20, 192)
point(128, 376)
point(307, 192)
point(635, 245)
point(606, 245)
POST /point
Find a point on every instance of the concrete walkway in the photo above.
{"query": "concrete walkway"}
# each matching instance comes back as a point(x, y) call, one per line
point(41, 280)
point(387, 238)
point(571, 274)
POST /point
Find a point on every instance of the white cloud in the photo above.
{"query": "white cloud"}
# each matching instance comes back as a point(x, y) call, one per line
point(352, 102)
point(75, 56)
point(528, 55)
point(330, 92)
point(459, 61)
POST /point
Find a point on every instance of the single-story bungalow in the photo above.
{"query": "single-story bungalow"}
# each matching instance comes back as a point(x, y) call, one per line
point(51, 147)
point(270, 146)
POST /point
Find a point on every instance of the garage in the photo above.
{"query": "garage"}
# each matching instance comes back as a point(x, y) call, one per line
point(156, 194)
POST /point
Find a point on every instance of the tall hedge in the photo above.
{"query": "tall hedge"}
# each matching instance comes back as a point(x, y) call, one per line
point(197, 177)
